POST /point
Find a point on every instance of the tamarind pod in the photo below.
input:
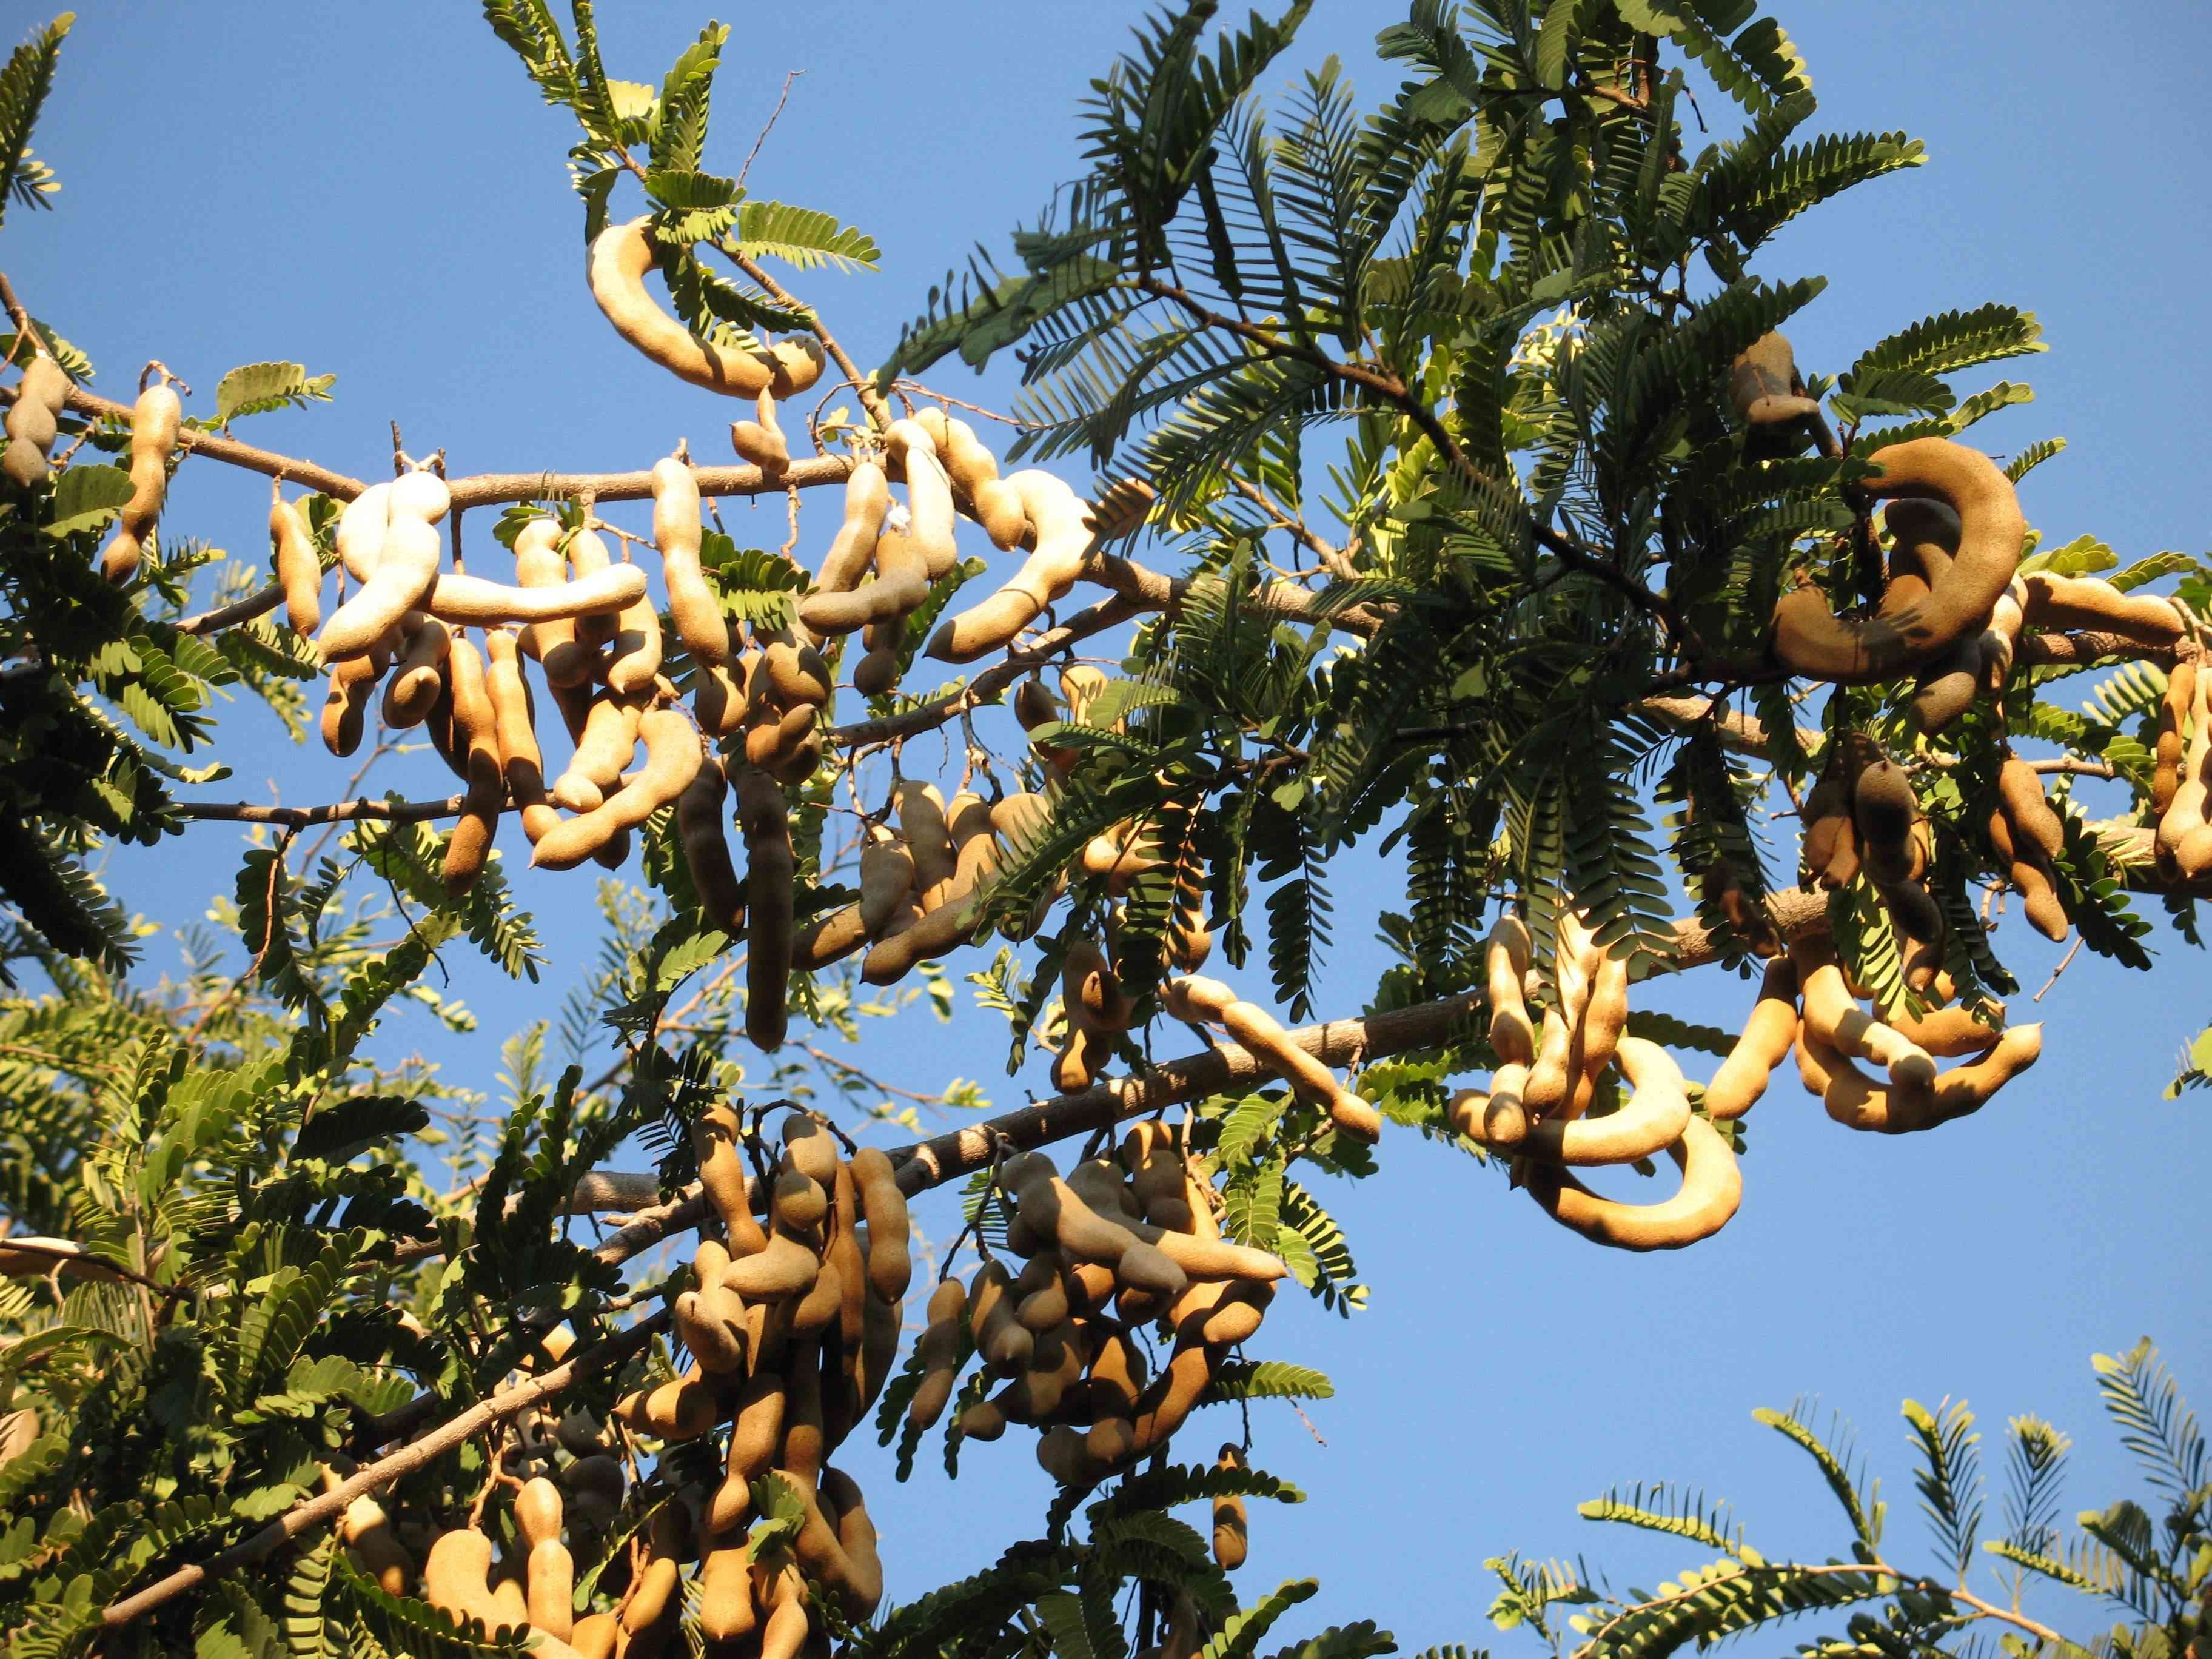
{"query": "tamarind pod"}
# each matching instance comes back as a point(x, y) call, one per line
point(1763, 387)
point(1231, 1525)
point(1167, 1401)
point(2172, 734)
point(584, 552)
point(1711, 1189)
point(1857, 1103)
point(456, 1579)
point(706, 852)
point(1097, 1182)
point(672, 760)
point(360, 534)
point(814, 1311)
point(1837, 1020)
point(1499, 1119)
point(1040, 1295)
point(1117, 856)
point(476, 724)
point(1063, 529)
point(520, 762)
point(676, 535)
point(579, 1434)
point(1053, 1208)
point(154, 420)
point(1810, 640)
point(1650, 1120)
point(648, 1615)
point(939, 1351)
point(1605, 1015)
point(620, 257)
point(760, 440)
point(716, 701)
point(2001, 639)
point(886, 874)
point(634, 663)
point(726, 1613)
point(796, 363)
point(763, 821)
point(538, 564)
point(619, 588)
point(405, 567)
point(1066, 1455)
point(828, 938)
point(2029, 873)
point(1884, 811)
point(1158, 1177)
point(902, 583)
point(1816, 1061)
point(1117, 1371)
point(890, 1267)
point(1056, 1363)
point(1767, 1037)
point(34, 420)
point(1005, 1344)
point(845, 1255)
point(766, 746)
point(805, 1442)
point(797, 673)
point(2026, 805)
point(595, 1637)
point(975, 472)
point(967, 823)
point(681, 1408)
point(1831, 845)
point(1252, 1026)
point(550, 1576)
point(891, 958)
point(574, 703)
point(298, 569)
point(913, 450)
point(2185, 812)
point(785, 1631)
point(345, 706)
point(595, 1483)
point(1558, 1068)
point(418, 675)
point(717, 1345)
point(2055, 602)
point(1234, 1317)
point(876, 673)
point(508, 1596)
point(717, 1142)
point(783, 1269)
point(867, 499)
point(1949, 1032)
point(1093, 991)
point(879, 1343)
point(1506, 956)
point(537, 1510)
point(365, 1530)
point(757, 1429)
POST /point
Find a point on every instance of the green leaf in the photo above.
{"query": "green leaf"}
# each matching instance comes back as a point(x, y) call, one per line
point(24, 84)
point(86, 497)
point(801, 237)
point(258, 388)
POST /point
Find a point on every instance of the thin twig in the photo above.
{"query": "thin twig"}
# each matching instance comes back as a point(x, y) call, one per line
point(789, 76)
point(864, 387)
point(2063, 964)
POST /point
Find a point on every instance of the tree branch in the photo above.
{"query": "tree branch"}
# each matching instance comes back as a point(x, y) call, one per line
point(300, 818)
point(863, 388)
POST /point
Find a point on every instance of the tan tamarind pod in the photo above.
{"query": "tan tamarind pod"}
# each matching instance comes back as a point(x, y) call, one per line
point(846, 1254)
point(717, 700)
point(620, 257)
point(707, 850)
point(550, 1574)
point(1764, 389)
point(784, 1270)
point(154, 420)
point(2186, 813)
point(1949, 1032)
point(366, 1531)
point(476, 724)
point(1557, 1068)
point(1062, 525)
point(610, 740)
point(891, 1265)
point(298, 569)
point(828, 938)
point(922, 824)
point(928, 493)
point(785, 1631)
point(756, 1430)
point(1506, 957)
point(406, 566)
point(1194, 998)
point(879, 1346)
point(1648, 1122)
point(818, 1309)
point(1853, 1100)
point(681, 1408)
point(1041, 1291)
point(886, 874)
point(939, 1351)
point(1052, 1208)
point(519, 763)
point(902, 583)
point(538, 563)
point(1057, 1364)
point(717, 1142)
point(1119, 856)
point(2022, 791)
point(537, 1510)
point(1091, 990)
point(1079, 686)
point(1003, 1343)
point(652, 1602)
point(1768, 1036)
point(596, 1635)
point(474, 600)
point(361, 528)
point(1712, 1188)
point(1831, 850)
point(1231, 1525)
point(771, 743)
point(856, 1539)
point(676, 535)
point(2092, 604)
point(2029, 873)
point(346, 706)
point(726, 1613)
point(797, 673)
point(1235, 1316)
point(634, 662)
point(34, 420)
point(1837, 1020)
point(975, 472)
point(797, 363)
point(1097, 1182)
point(867, 499)
point(760, 440)
point(2172, 734)
point(1156, 1176)
point(1605, 1016)
point(1884, 811)
point(1810, 640)
point(763, 821)
point(1169, 1399)
point(585, 552)
point(1496, 1117)
point(1189, 941)
point(982, 1420)
point(711, 1320)
point(456, 1578)
point(419, 674)
point(672, 760)
point(1120, 507)
point(804, 1442)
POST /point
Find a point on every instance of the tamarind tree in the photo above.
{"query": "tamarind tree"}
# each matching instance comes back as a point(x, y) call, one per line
point(1592, 588)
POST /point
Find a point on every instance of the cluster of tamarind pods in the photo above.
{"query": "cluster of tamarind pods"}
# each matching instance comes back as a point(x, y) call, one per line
point(1121, 1242)
point(33, 422)
point(1536, 1108)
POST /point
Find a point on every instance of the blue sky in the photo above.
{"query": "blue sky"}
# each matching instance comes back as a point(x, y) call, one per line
point(382, 196)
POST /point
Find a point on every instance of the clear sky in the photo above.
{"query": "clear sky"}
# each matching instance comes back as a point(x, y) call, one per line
point(377, 192)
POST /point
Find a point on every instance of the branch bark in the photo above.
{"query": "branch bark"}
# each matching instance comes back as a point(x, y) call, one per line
point(300, 818)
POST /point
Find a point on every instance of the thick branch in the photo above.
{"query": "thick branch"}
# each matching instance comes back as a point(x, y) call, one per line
point(300, 818)
point(490, 489)
point(374, 1477)
point(1283, 601)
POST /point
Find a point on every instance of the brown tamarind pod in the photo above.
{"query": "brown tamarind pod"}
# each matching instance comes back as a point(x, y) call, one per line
point(472, 600)
point(856, 1538)
point(1506, 957)
point(2024, 803)
point(756, 1433)
point(539, 563)
point(1855, 1101)
point(549, 1577)
point(830, 937)
point(940, 1352)
point(886, 874)
point(1831, 845)
point(361, 528)
point(1057, 1363)
point(785, 1630)
point(2029, 873)
point(299, 569)
point(1189, 941)
point(818, 1309)
point(1062, 526)
point(797, 674)
point(922, 824)
point(418, 675)
point(797, 363)
point(602, 753)
point(366, 1531)
point(633, 658)
point(1003, 1343)
point(476, 724)
point(456, 1579)
point(1648, 1122)
point(717, 699)
point(649, 1616)
point(620, 257)
point(1117, 1375)
point(760, 440)
point(844, 1252)
point(867, 499)
point(1496, 1117)
point(1884, 810)
point(726, 1613)
point(974, 473)
point(676, 537)
point(345, 706)
point(2172, 734)
point(913, 451)
point(1766, 391)
point(1811, 640)
point(585, 552)
point(520, 762)
point(1231, 1525)
point(785, 1269)
point(406, 565)
point(595, 1483)
point(765, 822)
point(1041, 1291)
point(596, 1635)
point(1712, 1188)
point(805, 1444)
point(1554, 1077)
point(34, 420)
point(1949, 1032)
point(901, 584)
point(1605, 1016)
point(1052, 1209)
point(717, 1140)
point(890, 1265)
point(876, 673)
point(1924, 540)
point(1119, 857)
point(2185, 814)
point(1168, 1399)
point(1721, 886)
point(2092, 604)
point(1768, 1034)
point(811, 1148)
point(1194, 998)
point(949, 925)
point(881, 1328)
point(681, 1408)
point(155, 421)
point(1832, 1015)
point(1097, 1182)
point(1158, 1176)
point(672, 760)
point(707, 850)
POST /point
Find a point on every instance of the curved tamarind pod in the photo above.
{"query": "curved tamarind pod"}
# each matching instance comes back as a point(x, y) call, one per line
point(1056, 1365)
point(299, 569)
point(1884, 809)
point(1768, 1034)
point(881, 1327)
point(1764, 389)
point(1812, 641)
point(1091, 990)
point(595, 1637)
point(1553, 1078)
point(1506, 956)
point(537, 1510)
point(867, 499)
point(828, 938)
point(406, 565)
point(810, 1149)
point(2090, 604)
point(717, 1142)
point(550, 1576)
point(595, 1482)
point(1170, 1397)
point(1831, 843)
point(797, 674)
point(419, 674)
point(1054, 1209)
point(1220, 1313)
point(769, 744)
point(975, 472)
point(538, 563)
point(763, 820)
point(890, 1264)
point(760, 440)
point(757, 1429)
point(1079, 686)
point(1005, 1343)
point(818, 1309)
point(471, 599)
point(1947, 1032)
point(1858, 1103)
point(514, 1604)
point(672, 760)
point(717, 701)
point(939, 1351)
point(649, 1615)
point(620, 257)
point(1816, 1061)
point(1097, 1182)
point(890, 959)
point(1194, 998)
point(2185, 812)
point(154, 420)
point(360, 534)
point(1082, 1058)
point(2024, 803)
point(585, 551)
point(1041, 1291)
point(634, 662)
point(1158, 1177)
point(683, 1408)
point(912, 447)
point(797, 362)
point(1605, 1016)
point(34, 420)
point(975, 852)
point(861, 1588)
point(886, 874)
point(2173, 733)
point(785, 1269)
point(574, 703)
point(1926, 538)
point(726, 1615)
point(1648, 1122)
point(847, 1253)
point(456, 1579)
point(2025, 833)
point(1231, 1525)
point(1065, 1454)
point(1496, 1117)
point(706, 850)
point(902, 583)
point(522, 767)
point(1721, 886)
point(797, 1200)
point(676, 536)
point(876, 673)
point(475, 724)
point(1712, 1188)
point(1062, 525)
point(1836, 1019)
point(2001, 639)
point(366, 1531)
point(785, 1631)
